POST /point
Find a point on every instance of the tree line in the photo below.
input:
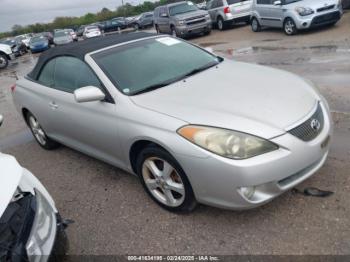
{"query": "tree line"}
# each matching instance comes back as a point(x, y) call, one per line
point(89, 18)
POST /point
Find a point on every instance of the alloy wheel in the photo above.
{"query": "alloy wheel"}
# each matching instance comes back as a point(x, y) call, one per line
point(37, 131)
point(289, 27)
point(3, 62)
point(163, 181)
point(173, 32)
point(255, 25)
point(220, 24)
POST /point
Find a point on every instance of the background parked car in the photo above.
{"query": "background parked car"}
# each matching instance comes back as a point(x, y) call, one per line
point(49, 36)
point(181, 19)
point(25, 38)
point(91, 31)
point(39, 43)
point(62, 37)
point(5, 55)
point(142, 21)
point(227, 12)
point(112, 25)
point(80, 30)
point(294, 15)
point(73, 34)
point(17, 46)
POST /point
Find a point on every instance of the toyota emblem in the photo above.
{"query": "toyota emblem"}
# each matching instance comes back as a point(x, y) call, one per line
point(315, 124)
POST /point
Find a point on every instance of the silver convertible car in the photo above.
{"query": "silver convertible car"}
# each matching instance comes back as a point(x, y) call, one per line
point(194, 127)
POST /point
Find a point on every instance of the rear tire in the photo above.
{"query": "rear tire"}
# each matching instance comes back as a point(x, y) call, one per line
point(170, 188)
point(220, 24)
point(4, 62)
point(290, 27)
point(255, 25)
point(39, 134)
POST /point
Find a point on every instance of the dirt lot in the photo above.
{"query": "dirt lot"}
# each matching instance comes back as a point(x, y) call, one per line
point(114, 216)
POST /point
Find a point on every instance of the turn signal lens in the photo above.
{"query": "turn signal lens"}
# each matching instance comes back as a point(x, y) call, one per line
point(227, 10)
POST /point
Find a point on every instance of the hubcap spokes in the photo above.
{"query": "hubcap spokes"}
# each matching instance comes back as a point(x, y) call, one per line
point(289, 27)
point(163, 181)
point(2, 61)
point(37, 131)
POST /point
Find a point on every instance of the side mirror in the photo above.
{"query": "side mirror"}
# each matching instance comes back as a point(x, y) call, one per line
point(1, 119)
point(277, 2)
point(164, 15)
point(88, 94)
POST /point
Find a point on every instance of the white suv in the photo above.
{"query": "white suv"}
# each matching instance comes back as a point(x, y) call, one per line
point(294, 15)
point(5, 55)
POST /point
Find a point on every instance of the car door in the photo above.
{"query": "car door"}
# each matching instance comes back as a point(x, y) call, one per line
point(211, 8)
point(270, 14)
point(164, 19)
point(88, 127)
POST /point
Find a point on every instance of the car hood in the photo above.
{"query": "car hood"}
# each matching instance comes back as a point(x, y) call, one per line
point(11, 173)
point(314, 4)
point(5, 48)
point(191, 14)
point(239, 96)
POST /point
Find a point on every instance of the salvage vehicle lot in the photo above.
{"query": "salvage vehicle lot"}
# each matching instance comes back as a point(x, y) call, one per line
point(114, 216)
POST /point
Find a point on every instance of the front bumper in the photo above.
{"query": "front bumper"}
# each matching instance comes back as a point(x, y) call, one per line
point(185, 30)
point(61, 244)
point(318, 20)
point(217, 181)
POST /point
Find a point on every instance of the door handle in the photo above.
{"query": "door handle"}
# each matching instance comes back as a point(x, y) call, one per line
point(53, 105)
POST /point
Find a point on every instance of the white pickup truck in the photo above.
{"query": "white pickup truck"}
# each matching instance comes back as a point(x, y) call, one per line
point(5, 55)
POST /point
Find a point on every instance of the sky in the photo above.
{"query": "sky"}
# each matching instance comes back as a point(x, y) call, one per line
point(26, 12)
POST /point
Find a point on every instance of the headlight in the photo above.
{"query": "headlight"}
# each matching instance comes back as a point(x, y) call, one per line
point(304, 11)
point(181, 22)
point(43, 231)
point(227, 143)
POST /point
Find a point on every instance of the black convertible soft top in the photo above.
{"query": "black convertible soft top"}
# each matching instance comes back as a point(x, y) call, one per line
point(80, 49)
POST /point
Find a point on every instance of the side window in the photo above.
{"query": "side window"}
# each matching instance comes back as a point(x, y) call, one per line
point(265, 2)
point(209, 4)
point(214, 4)
point(220, 3)
point(46, 76)
point(72, 73)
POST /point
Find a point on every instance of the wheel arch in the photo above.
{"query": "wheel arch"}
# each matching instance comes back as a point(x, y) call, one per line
point(140, 144)
point(7, 56)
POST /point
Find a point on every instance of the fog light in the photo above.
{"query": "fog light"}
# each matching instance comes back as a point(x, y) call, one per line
point(248, 192)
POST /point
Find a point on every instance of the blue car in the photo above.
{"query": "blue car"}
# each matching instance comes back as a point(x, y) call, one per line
point(38, 44)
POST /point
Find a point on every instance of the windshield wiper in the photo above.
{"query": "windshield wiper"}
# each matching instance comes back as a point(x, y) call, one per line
point(200, 69)
point(154, 87)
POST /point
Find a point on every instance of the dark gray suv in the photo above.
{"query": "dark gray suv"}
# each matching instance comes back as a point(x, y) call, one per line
point(181, 19)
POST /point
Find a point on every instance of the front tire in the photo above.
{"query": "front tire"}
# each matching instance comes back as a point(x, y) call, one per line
point(255, 25)
point(290, 27)
point(164, 180)
point(39, 134)
point(173, 31)
point(4, 62)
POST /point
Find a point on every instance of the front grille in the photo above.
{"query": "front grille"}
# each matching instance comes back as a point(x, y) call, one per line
point(322, 9)
point(196, 22)
point(334, 16)
point(15, 226)
point(311, 128)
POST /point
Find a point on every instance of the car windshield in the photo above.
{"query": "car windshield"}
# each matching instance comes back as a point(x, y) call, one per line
point(36, 39)
point(153, 63)
point(182, 8)
point(9, 42)
point(61, 33)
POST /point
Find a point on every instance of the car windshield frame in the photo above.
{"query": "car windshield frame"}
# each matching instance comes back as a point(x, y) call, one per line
point(98, 55)
point(176, 9)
